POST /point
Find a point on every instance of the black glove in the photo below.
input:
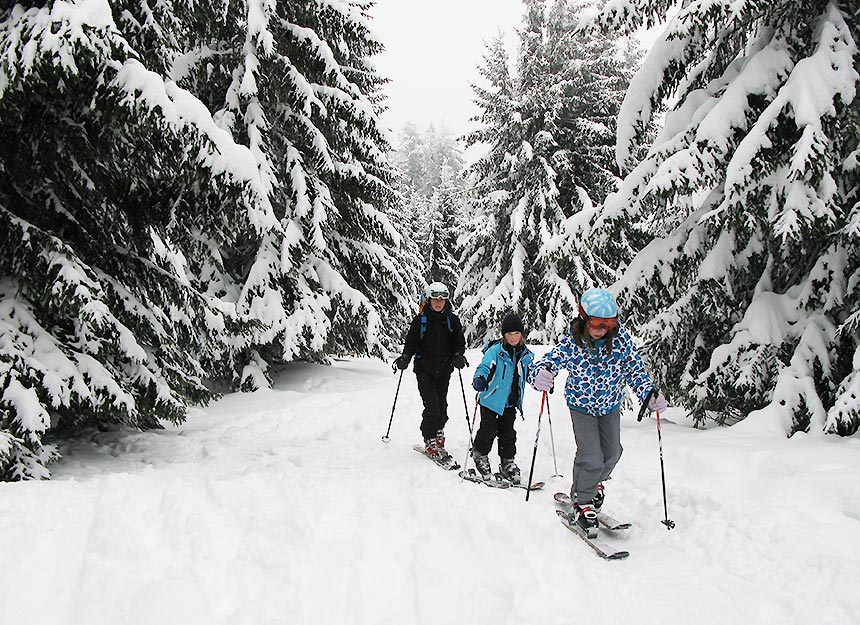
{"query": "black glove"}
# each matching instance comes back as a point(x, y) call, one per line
point(401, 362)
point(459, 361)
point(479, 383)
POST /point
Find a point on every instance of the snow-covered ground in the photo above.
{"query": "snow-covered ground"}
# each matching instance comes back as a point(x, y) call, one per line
point(284, 507)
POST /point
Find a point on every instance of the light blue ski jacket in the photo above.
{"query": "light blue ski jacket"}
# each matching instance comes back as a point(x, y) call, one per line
point(498, 367)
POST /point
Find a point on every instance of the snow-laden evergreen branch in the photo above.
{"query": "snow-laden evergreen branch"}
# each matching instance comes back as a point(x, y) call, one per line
point(745, 298)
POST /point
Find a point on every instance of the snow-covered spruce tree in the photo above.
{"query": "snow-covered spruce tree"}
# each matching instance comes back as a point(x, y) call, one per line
point(144, 248)
point(101, 319)
point(590, 72)
point(293, 80)
point(432, 196)
point(749, 299)
point(442, 229)
point(409, 156)
point(482, 264)
point(526, 246)
point(421, 157)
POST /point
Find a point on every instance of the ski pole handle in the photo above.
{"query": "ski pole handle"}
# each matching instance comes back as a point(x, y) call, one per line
point(644, 406)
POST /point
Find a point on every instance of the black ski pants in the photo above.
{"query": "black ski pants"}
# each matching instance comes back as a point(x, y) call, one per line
point(494, 424)
point(434, 394)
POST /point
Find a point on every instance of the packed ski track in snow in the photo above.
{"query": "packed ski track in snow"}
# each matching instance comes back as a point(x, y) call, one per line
point(285, 506)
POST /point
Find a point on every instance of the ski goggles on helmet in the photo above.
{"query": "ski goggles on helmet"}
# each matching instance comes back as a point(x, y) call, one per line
point(440, 294)
point(598, 323)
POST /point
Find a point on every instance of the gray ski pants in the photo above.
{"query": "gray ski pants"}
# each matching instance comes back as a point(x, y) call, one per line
point(598, 449)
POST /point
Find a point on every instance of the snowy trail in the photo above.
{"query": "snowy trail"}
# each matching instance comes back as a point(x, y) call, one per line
point(284, 506)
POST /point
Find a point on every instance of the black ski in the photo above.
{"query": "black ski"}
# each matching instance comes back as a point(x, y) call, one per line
point(605, 520)
point(535, 486)
point(446, 462)
point(497, 481)
point(493, 482)
point(601, 547)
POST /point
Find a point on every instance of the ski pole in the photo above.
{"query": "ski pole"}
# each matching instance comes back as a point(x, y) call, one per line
point(468, 423)
point(385, 438)
point(666, 521)
point(471, 429)
point(534, 452)
point(552, 439)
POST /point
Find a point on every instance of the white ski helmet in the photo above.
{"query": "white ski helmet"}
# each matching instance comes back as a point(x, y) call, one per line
point(598, 303)
point(437, 289)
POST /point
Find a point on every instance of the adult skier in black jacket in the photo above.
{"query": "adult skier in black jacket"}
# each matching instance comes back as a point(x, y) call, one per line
point(435, 338)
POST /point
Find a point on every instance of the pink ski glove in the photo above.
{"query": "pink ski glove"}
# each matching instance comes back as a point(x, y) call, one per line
point(658, 403)
point(544, 380)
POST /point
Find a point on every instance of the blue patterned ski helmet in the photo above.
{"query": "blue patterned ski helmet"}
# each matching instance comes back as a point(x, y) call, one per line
point(598, 303)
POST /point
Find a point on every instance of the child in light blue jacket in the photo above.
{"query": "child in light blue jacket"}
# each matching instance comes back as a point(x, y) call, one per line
point(501, 381)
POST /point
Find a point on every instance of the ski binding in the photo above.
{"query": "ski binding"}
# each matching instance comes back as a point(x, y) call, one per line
point(600, 547)
point(606, 521)
point(495, 481)
point(446, 462)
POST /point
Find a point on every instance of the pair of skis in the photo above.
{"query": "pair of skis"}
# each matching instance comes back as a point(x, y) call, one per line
point(606, 523)
point(448, 463)
point(496, 481)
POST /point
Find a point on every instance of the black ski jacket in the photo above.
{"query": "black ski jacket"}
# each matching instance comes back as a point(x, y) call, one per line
point(442, 339)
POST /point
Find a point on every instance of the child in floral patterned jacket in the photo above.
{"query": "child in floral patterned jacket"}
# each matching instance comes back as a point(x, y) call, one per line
point(600, 357)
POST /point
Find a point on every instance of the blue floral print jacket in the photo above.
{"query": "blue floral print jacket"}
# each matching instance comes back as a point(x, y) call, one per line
point(595, 379)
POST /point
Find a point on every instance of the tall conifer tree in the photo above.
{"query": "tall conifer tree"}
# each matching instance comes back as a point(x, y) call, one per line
point(443, 229)
point(187, 191)
point(748, 296)
point(526, 246)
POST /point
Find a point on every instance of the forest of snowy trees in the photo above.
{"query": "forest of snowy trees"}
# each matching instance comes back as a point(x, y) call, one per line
point(193, 193)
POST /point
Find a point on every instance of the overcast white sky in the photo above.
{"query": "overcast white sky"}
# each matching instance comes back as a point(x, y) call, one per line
point(433, 51)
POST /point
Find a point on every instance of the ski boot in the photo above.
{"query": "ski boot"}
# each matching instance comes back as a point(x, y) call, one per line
point(431, 448)
point(586, 518)
point(482, 463)
point(440, 444)
point(597, 502)
point(440, 441)
point(509, 470)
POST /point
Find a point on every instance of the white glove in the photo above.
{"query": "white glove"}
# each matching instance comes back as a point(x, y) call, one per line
point(544, 380)
point(657, 403)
